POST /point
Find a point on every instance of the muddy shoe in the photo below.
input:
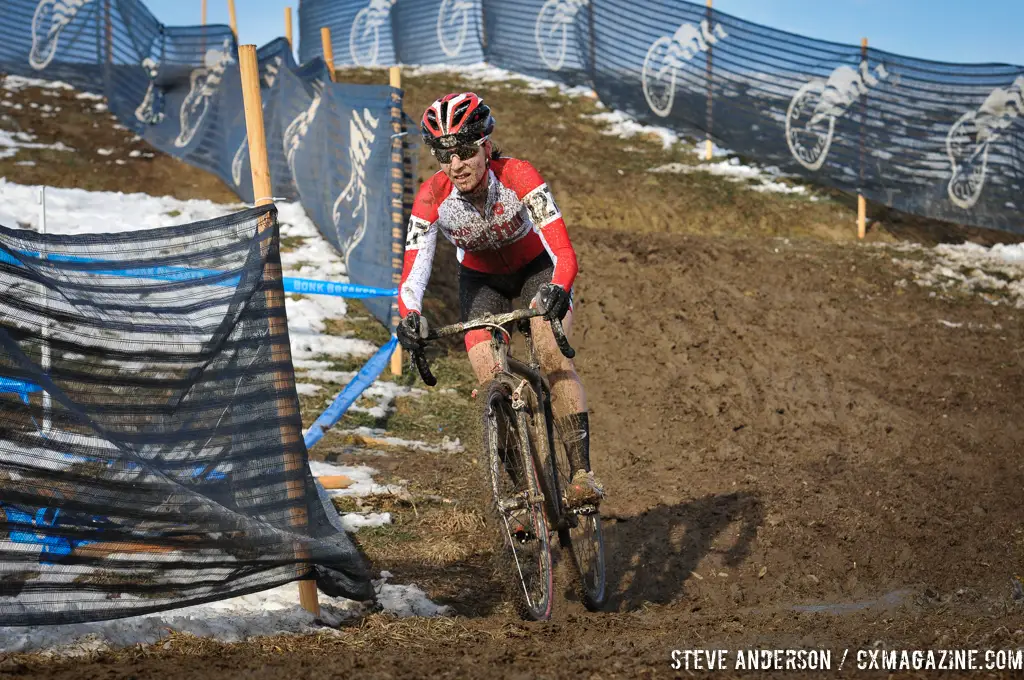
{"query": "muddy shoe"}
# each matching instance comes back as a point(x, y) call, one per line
point(584, 489)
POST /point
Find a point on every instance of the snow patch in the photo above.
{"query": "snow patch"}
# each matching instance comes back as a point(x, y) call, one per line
point(996, 274)
point(271, 612)
point(481, 72)
point(11, 142)
point(621, 124)
point(735, 171)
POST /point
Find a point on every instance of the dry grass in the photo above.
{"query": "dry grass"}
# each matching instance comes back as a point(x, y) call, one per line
point(601, 182)
point(82, 127)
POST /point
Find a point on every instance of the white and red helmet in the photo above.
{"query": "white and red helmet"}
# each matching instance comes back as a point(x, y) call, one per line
point(456, 119)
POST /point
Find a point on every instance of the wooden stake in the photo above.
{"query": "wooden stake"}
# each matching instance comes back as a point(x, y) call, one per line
point(395, 75)
point(288, 26)
point(291, 436)
point(325, 42)
point(707, 140)
point(862, 208)
point(234, 19)
point(862, 216)
point(204, 13)
point(335, 481)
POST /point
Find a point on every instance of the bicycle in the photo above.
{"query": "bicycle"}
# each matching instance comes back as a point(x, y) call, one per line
point(528, 473)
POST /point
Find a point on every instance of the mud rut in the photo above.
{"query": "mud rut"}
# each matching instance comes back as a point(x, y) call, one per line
point(779, 427)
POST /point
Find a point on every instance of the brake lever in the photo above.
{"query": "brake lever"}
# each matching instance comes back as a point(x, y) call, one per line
point(563, 342)
point(420, 359)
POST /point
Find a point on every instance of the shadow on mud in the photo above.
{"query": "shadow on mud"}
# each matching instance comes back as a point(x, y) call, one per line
point(651, 556)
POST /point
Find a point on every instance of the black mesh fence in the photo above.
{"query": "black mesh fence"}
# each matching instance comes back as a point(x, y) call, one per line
point(165, 464)
point(329, 145)
point(941, 140)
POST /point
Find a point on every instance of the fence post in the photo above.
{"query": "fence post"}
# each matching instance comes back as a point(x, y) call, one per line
point(593, 48)
point(291, 436)
point(109, 33)
point(325, 41)
point(862, 207)
point(288, 27)
point(44, 352)
point(483, 26)
point(397, 196)
point(709, 119)
point(234, 19)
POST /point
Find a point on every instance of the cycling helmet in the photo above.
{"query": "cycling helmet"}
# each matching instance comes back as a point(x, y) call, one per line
point(456, 120)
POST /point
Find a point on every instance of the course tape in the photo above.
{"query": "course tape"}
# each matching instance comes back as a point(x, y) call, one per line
point(363, 379)
point(218, 278)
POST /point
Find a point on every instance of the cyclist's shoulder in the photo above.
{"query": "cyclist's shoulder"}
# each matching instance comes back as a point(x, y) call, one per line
point(434, 190)
point(517, 174)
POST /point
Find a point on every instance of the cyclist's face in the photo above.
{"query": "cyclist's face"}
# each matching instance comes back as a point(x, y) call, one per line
point(466, 173)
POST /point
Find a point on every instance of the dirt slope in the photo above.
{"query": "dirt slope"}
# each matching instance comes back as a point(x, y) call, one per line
point(799, 452)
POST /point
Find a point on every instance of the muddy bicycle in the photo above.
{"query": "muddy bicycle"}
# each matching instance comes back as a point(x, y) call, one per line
point(528, 471)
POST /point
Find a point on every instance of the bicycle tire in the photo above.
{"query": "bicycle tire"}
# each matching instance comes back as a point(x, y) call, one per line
point(523, 558)
point(581, 534)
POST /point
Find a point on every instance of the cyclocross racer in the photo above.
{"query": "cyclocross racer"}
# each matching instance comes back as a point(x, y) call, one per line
point(512, 243)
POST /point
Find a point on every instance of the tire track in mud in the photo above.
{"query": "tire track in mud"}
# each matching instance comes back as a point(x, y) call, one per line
point(870, 494)
point(795, 375)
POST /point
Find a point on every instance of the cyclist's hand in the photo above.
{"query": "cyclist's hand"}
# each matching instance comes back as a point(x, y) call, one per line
point(411, 332)
point(553, 300)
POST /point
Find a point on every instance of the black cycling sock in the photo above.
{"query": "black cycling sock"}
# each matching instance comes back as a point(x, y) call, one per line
point(574, 431)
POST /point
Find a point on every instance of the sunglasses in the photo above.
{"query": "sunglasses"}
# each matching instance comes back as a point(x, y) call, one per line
point(463, 151)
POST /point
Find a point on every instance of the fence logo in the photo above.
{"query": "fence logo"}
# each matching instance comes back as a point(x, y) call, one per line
point(49, 20)
point(362, 135)
point(151, 110)
point(203, 85)
point(364, 38)
point(268, 75)
point(971, 136)
point(453, 25)
point(811, 117)
point(554, 21)
point(667, 55)
point(297, 129)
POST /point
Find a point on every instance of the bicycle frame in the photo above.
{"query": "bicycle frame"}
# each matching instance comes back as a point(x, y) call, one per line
point(513, 371)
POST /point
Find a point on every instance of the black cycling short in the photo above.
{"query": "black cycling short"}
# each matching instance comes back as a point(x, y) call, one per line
point(481, 293)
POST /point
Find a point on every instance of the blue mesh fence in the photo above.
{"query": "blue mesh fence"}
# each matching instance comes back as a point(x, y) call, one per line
point(432, 31)
point(329, 145)
point(940, 140)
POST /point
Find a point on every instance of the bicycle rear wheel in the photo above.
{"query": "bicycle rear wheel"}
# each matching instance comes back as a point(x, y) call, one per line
point(524, 553)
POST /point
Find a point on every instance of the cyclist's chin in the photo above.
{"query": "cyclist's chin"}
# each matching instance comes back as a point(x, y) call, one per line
point(467, 183)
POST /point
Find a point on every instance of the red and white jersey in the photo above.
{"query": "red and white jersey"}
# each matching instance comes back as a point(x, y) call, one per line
point(521, 221)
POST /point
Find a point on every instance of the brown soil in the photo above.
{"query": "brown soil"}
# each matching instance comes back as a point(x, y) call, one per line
point(86, 126)
point(798, 454)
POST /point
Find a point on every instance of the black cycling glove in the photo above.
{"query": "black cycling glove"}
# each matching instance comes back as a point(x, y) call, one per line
point(411, 332)
point(553, 300)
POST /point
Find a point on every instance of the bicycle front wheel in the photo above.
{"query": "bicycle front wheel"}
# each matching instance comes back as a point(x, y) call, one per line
point(581, 532)
point(517, 511)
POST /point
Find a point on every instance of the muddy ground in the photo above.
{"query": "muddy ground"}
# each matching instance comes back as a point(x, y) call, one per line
point(798, 453)
point(779, 427)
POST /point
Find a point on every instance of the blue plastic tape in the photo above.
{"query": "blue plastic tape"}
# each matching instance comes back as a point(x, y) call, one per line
point(19, 387)
point(171, 273)
point(366, 377)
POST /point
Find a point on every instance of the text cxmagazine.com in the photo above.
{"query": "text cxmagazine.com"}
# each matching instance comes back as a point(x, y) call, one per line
point(860, 659)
